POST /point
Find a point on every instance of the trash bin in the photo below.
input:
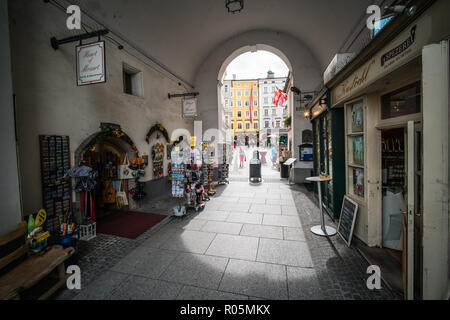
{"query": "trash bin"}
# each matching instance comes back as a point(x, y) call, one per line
point(255, 170)
point(284, 170)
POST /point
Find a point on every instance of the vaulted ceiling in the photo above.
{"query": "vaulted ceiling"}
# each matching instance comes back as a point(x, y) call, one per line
point(180, 34)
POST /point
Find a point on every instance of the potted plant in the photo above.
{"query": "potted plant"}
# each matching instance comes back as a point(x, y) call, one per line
point(287, 122)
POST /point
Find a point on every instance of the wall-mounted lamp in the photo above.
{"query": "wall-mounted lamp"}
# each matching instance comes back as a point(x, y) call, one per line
point(306, 114)
point(296, 90)
point(234, 6)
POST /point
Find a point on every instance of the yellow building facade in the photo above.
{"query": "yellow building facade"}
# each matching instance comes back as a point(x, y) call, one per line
point(245, 110)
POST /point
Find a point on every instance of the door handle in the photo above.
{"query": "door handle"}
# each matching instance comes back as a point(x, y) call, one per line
point(419, 214)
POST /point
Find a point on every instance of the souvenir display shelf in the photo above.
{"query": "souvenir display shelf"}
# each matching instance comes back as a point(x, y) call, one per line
point(224, 163)
point(193, 162)
point(207, 168)
point(56, 192)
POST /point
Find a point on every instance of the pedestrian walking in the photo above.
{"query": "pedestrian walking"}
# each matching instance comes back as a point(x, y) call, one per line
point(242, 157)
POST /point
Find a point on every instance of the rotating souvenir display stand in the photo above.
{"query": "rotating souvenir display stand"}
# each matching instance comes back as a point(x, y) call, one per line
point(178, 180)
point(187, 181)
point(194, 186)
point(85, 184)
point(224, 163)
point(208, 160)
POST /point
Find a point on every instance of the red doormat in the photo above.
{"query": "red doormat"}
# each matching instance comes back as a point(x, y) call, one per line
point(129, 224)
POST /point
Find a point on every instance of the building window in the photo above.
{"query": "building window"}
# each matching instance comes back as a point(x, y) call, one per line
point(274, 112)
point(255, 93)
point(273, 89)
point(266, 124)
point(231, 103)
point(401, 102)
point(255, 125)
point(239, 125)
point(278, 123)
point(247, 126)
point(232, 93)
point(239, 93)
point(132, 81)
point(247, 114)
point(266, 100)
point(239, 103)
point(247, 103)
point(266, 112)
point(247, 93)
point(239, 114)
point(226, 88)
point(232, 125)
point(265, 90)
point(255, 103)
point(255, 114)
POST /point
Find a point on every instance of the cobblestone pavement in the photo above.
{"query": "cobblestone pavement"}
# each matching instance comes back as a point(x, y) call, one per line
point(250, 242)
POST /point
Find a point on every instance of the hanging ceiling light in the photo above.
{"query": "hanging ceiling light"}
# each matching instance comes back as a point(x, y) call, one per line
point(234, 6)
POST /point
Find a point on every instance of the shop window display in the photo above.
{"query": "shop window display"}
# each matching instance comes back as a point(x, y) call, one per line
point(356, 149)
point(402, 102)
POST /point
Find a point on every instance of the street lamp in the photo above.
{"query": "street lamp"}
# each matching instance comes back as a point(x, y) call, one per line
point(234, 6)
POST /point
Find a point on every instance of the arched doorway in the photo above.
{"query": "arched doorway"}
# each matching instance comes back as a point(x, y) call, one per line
point(105, 151)
point(246, 107)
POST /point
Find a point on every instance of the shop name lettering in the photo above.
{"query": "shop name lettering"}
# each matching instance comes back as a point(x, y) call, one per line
point(401, 48)
point(89, 57)
point(358, 80)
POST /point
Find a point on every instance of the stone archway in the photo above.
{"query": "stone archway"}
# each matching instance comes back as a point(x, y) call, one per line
point(305, 69)
point(111, 132)
point(253, 48)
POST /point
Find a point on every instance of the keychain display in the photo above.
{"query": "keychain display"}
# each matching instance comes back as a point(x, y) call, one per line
point(224, 157)
point(208, 160)
point(178, 174)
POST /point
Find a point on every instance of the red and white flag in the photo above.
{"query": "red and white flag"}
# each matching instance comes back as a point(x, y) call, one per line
point(280, 98)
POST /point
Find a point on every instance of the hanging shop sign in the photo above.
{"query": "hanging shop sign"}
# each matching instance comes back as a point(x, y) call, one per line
point(189, 107)
point(91, 66)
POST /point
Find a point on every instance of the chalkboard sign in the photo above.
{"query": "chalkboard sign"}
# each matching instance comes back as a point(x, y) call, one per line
point(347, 221)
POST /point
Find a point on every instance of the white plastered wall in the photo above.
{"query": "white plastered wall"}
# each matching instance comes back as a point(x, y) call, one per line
point(49, 101)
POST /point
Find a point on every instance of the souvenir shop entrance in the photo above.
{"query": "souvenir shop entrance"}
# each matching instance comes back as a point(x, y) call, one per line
point(109, 153)
point(106, 158)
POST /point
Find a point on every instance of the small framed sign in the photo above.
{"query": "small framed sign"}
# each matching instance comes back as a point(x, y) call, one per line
point(347, 220)
point(189, 107)
point(91, 64)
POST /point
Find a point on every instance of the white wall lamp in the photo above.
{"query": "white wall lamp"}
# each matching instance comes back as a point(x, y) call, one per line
point(234, 6)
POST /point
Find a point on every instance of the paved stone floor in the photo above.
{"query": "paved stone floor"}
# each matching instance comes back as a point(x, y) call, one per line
point(250, 242)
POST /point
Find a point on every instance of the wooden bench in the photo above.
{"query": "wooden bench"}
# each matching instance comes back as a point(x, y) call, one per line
point(30, 276)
